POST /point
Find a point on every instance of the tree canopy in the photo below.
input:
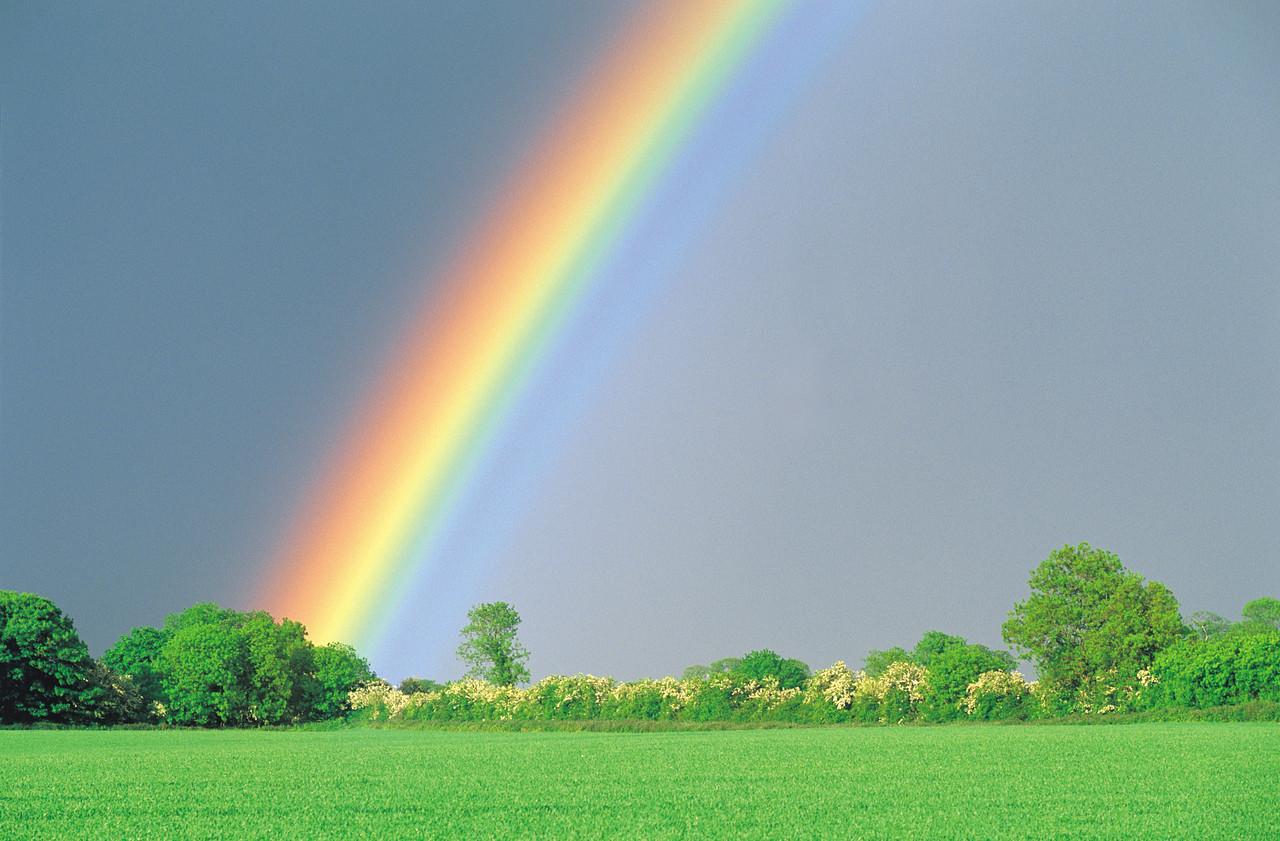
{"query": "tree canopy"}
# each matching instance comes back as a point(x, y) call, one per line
point(46, 673)
point(1264, 611)
point(764, 663)
point(1088, 615)
point(490, 646)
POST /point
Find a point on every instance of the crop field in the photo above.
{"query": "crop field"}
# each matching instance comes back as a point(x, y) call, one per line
point(1147, 780)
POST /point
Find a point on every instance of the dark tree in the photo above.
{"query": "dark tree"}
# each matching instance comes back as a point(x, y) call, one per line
point(136, 655)
point(415, 685)
point(46, 673)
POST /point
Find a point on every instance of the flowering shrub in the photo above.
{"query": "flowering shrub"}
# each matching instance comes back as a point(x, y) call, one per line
point(833, 686)
point(377, 701)
point(576, 697)
point(834, 694)
point(647, 699)
point(896, 694)
point(996, 695)
point(1110, 692)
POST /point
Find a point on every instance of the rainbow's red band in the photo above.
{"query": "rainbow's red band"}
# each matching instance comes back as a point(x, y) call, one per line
point(386, 488)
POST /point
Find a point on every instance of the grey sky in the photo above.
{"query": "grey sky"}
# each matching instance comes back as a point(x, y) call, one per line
point(1008, 277)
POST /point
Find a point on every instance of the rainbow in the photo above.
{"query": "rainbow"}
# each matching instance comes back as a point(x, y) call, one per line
point(503, 299)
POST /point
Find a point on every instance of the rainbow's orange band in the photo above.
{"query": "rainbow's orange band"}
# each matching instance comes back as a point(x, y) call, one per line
point(386, 488)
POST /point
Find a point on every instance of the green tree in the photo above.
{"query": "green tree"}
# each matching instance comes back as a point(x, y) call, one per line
point(212, 666)
point(724, 664)
point(46, 673)
point(414, 685)
point(763, 663)
point(221, 667)
point(1087, 615)
point(1263, 612)
point(136, 655)
point(205, 675)
point(281, 668)
point(490, 646)
point(120, 702)
point(879, 659)
point(204, 613)
point(338, 670)
point(954, 663)
point(1205, 625)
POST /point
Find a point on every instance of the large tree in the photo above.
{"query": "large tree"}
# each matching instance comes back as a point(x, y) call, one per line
point(1087, 615)
point(490, 647)
point(223, 667)
point(46, 673)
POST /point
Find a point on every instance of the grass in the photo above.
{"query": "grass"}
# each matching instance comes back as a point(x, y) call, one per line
point(1187, 780)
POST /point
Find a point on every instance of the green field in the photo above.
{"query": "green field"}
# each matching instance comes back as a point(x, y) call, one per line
point(1147, 780)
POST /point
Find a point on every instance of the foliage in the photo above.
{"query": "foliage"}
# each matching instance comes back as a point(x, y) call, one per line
point(897, 693)
point(1088, 615)
point(953, 664)
point(1229, 669)
point(339, 670)
point(119, 701)
point(46, 673)
point(490, 646)
point(1263, 612)
point(1207, 625)
point(136, 656)
point(879, 660)
point(213, 667)
point(410, 685)
point(1107, 644)
point(725, 664)
point(205, 672)
point(834, 694)
point(763, 664)
point(281, 668)
point(997, 694)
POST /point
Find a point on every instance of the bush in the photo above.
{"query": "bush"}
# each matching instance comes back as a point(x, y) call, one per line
point(560, 697)
point(998, 695)
point(954, 664)
point(411, 685)
point(650, 700)
point(763, 664)
point(1231, 669)
point(120, 702)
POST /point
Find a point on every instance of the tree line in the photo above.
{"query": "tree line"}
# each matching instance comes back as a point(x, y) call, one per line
point(1103, 640)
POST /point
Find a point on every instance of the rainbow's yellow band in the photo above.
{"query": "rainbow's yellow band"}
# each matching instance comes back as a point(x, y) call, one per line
point(385, 489)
